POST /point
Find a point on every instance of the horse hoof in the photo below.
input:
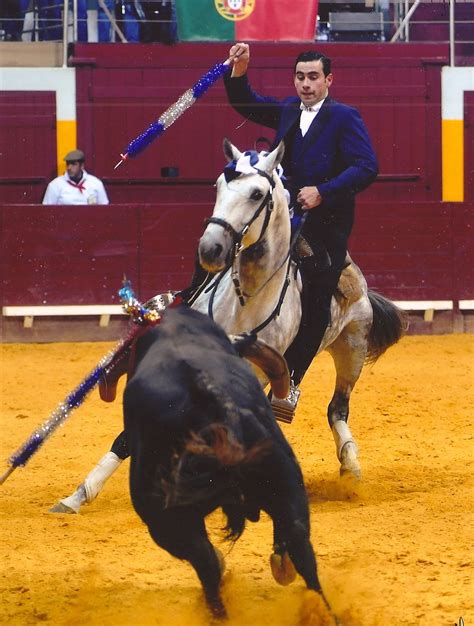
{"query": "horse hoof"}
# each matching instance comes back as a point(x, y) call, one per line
point(61, 508)
point(353, 473)
point(283, 570)
point(350, 466)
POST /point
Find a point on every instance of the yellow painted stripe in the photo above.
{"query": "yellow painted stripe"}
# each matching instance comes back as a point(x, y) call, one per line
point(66, 140)
point(453, 160)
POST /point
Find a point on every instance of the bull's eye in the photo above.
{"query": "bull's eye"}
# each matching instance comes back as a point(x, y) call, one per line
point(256, 195)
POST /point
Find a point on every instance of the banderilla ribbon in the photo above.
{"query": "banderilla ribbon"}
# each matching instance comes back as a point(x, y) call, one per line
point(144, 319)
point(184, 102)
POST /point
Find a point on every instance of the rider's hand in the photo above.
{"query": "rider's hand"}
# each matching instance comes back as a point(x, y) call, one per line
point(309, 197)
point(239, 54)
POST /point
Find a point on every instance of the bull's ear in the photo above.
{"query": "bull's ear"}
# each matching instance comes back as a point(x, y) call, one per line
point(273, 160)
point(272, 363)
point(230, 151)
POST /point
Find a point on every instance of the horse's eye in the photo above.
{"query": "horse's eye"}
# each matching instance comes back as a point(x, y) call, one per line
point(256, 195)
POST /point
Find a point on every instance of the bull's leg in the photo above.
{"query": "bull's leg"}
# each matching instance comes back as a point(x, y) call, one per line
point(294, 537)
point(92, 485)
point(348, 353)
point(185, 537)
point(291, 542)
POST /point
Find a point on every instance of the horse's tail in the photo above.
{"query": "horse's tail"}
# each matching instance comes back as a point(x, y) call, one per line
point(389, 324)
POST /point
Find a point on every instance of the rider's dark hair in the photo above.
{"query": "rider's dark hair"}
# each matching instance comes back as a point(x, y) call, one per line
point(312, 55)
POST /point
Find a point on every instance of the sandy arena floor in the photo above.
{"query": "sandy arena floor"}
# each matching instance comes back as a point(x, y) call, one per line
point(396, 550)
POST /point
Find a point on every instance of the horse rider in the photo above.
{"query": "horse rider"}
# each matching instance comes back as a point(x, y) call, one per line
point(328, 159)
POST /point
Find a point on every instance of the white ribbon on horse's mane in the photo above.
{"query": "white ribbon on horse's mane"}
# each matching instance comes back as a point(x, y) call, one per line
point(247, 164)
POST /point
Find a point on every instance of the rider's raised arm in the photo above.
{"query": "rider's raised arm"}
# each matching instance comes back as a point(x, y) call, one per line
point(263, 110)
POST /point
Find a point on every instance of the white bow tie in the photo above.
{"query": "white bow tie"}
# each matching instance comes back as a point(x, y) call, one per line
point(307, 116)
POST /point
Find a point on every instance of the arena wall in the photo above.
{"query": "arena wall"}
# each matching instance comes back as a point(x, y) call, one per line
point(419, 254)
point(411, 246)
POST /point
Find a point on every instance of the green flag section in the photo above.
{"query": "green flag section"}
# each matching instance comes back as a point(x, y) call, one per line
point(246, 20)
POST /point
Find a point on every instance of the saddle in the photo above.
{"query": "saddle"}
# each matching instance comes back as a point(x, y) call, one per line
point(314, 259)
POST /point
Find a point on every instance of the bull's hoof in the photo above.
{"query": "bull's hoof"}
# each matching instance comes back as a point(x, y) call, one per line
point(315, 611)
point(218, 610)
point(61, 508)
point(283, 570)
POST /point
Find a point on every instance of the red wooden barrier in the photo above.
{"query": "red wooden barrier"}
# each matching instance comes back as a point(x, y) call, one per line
point(78, 255)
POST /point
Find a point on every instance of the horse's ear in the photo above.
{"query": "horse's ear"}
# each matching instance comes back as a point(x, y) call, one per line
point(273, 160)
point(230, 150)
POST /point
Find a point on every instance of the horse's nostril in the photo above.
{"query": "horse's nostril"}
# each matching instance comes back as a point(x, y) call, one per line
point(211, 253)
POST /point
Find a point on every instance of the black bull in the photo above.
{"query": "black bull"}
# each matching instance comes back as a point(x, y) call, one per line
point(202, 435)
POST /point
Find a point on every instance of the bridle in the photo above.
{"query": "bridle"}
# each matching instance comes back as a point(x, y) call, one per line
point(237, 236)
point(267, 204)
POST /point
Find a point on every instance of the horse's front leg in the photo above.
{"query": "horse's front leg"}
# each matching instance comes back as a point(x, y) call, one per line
point(93, 483)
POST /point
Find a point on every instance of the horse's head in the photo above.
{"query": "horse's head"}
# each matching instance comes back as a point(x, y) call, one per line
point(247, 192)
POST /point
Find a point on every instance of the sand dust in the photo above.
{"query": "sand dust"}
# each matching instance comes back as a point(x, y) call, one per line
point(396, 550)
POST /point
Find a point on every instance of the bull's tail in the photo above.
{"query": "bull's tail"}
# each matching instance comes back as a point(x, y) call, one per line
point(389, 324)
point(209, 468)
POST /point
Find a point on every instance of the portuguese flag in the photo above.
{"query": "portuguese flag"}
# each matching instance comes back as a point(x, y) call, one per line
point(246, 20)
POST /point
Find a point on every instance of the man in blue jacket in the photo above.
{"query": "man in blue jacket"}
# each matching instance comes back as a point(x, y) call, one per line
point(328, 159)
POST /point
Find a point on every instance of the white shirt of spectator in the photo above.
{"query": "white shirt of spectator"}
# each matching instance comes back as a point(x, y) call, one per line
point(307, 115)
point(62, 190)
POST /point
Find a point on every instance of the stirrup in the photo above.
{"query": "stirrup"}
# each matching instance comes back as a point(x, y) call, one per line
point(284, 409)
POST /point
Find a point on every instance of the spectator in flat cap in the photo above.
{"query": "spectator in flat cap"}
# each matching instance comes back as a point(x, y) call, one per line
point(75, 186)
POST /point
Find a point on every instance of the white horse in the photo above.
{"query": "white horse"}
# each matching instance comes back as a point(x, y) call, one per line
point(247, 245)
point(256, 288)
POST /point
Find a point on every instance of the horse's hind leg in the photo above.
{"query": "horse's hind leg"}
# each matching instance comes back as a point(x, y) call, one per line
point(348, 352)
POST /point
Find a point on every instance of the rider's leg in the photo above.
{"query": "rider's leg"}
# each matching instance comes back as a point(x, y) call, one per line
point(314, 321)
point(320, 281)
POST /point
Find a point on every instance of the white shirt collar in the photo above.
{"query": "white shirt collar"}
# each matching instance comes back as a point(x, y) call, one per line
point(312, 109)
point(307, 115)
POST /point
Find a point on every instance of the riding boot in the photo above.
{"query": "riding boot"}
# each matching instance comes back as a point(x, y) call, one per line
point(305, 345)
point(299, 357)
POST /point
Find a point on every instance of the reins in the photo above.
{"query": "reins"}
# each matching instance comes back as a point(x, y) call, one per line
point(237, 236)
point(237, 248)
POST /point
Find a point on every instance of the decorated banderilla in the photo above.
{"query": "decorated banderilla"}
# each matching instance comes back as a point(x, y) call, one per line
point(144, 317)
point(184, 102)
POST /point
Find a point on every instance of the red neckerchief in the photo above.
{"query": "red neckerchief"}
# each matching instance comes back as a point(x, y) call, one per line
point(79, 185)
